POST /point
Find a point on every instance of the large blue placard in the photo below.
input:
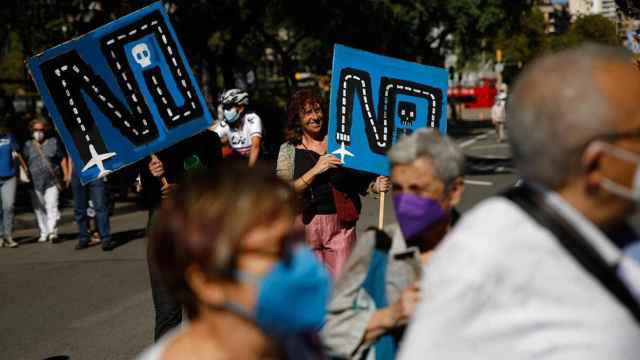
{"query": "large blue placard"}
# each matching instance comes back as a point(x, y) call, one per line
point(375, 100)
point(120, 92)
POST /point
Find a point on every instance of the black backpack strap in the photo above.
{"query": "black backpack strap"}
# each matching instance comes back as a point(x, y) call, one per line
point(532, 202)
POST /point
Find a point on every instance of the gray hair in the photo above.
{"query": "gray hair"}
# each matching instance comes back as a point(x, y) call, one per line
point(446, 155)
point(557, 107)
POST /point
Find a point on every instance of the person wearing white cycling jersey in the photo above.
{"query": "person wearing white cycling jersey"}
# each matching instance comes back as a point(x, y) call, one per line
point(240, 129)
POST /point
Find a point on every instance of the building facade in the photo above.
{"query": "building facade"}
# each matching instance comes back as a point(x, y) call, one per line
point(606, 8)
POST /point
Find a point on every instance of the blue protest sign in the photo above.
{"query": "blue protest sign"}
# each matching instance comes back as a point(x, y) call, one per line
point(375, 100)
point(120, 92)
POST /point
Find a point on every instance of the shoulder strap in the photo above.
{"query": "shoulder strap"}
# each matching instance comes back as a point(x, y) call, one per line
point(38, 147)
point(579, 248)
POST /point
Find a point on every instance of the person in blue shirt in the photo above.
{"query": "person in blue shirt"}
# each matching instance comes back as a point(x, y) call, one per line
point(9, 157)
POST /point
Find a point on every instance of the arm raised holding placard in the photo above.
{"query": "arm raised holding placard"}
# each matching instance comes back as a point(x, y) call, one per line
point(324, 163)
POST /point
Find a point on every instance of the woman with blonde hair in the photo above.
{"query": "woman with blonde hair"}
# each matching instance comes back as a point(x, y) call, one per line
point(48, 165)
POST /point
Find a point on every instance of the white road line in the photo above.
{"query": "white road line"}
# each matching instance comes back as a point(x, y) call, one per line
point(478, 182)
point(490, 146)
point(471, 141)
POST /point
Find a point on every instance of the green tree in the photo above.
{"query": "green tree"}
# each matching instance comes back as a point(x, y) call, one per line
point(12, 64)
point(630, 8)
point(588, 28)
point(225, 37)
point(476, 25)
point(525, 40)
point(422, 30)
point(32, 26)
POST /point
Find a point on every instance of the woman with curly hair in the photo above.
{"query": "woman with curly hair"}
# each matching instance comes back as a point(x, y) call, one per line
point(330, 193)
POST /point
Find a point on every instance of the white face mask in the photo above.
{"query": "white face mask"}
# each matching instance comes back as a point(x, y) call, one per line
point(231, 115)
point(612, 186)
point(38, 135)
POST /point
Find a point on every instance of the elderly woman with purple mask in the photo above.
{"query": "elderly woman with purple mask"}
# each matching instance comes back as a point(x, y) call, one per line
point(377, 295)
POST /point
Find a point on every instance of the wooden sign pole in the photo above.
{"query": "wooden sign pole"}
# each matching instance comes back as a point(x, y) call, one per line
point(381, 212)
point(162, 178)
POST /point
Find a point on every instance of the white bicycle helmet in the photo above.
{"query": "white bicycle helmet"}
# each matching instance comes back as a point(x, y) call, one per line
point(234, 97)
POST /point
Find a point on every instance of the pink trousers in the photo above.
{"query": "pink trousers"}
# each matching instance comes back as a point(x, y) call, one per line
point(331, 242)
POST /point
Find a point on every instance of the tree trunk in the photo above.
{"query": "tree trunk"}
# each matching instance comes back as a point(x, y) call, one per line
point(288, 74)
point(212, 69)
point(227, 60)
point(27, 51)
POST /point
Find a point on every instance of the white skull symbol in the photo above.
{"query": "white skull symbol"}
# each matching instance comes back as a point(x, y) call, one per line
point(141, 54)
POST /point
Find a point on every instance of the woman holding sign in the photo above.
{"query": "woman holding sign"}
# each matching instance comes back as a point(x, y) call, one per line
point(330, 194)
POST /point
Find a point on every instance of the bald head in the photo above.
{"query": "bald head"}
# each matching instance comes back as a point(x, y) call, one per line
point(560, 103)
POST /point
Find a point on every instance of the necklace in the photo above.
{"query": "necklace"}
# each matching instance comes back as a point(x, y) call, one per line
point(323, 142)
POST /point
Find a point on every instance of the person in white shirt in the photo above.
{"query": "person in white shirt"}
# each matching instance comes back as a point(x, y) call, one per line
point(498, 114)
point(240, 128)
point(541, 272)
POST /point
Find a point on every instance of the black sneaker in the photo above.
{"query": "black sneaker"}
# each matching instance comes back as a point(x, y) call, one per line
point(109, 246)
point(81, 246)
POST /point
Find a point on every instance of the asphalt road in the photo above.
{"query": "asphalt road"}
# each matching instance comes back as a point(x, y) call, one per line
point(92, 304)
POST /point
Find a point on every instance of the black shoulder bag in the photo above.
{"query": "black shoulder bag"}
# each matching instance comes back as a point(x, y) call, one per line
point(581, 250)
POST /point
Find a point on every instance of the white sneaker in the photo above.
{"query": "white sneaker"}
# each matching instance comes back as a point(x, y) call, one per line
point(43, 238)
point(10, 243)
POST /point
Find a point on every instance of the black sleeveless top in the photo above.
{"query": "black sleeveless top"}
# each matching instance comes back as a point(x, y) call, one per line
point(318, 197)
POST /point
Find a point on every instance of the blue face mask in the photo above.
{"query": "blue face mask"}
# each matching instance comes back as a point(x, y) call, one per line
point(231, 115)
point(292, 296)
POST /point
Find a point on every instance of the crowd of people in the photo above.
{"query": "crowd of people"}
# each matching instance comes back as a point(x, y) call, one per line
point(42, 164)
point(266, 263)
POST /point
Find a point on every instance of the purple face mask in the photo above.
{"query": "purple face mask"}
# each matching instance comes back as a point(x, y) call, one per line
point(416, 213)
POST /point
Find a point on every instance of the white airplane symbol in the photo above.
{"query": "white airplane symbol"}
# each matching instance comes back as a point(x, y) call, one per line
point(343, 152)
point(97, 159)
